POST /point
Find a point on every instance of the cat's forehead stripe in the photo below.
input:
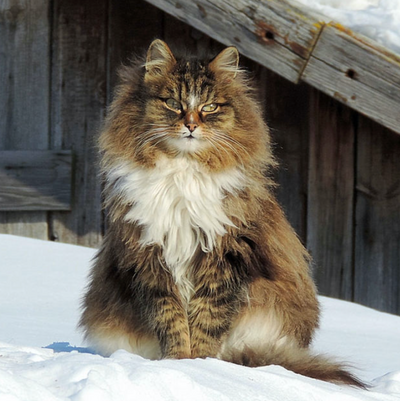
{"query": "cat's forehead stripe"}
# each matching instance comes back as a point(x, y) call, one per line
point(191, 90)
point(193, 84)
point(186, 88)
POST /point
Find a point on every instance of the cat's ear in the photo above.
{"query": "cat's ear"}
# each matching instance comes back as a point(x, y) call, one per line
point(159, 60)
point(226, 63)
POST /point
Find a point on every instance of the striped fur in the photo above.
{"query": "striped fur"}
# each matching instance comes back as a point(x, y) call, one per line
point(199, 259)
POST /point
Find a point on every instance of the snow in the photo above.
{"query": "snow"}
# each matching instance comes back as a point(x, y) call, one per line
point(376, 19)
point(43, 358)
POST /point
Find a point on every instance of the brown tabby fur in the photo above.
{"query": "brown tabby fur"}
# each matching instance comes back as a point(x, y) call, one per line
point(251, 298)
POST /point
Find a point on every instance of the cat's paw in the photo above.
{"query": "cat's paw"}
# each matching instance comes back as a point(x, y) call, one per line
point(180, 354)
point(205, 350)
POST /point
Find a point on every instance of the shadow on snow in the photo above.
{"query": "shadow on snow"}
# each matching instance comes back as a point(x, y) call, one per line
point(67, 347)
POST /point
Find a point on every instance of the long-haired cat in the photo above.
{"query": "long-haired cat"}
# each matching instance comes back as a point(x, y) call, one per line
point(199, 259)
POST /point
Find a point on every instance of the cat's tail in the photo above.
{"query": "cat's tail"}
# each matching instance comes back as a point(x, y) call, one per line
point(298, 360)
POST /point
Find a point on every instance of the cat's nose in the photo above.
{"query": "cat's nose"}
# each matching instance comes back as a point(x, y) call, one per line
point(191, 121)
point(191, 126)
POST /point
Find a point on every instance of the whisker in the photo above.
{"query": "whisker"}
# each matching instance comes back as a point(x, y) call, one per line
point(232, 140)
point(149, 136)
point(221, 144)
point(235, 146)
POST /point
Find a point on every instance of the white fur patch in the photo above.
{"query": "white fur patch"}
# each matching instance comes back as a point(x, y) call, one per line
point(193, 101)
point(107, 343)
point(179, 206)
point(255, 329)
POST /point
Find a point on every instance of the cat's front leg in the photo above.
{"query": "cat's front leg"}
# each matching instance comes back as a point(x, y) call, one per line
point(162, 309)
point(168, 319)
point(171, 326)
point(213, 306)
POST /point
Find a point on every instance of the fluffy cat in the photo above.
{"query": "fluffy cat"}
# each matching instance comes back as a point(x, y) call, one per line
point(199, 259)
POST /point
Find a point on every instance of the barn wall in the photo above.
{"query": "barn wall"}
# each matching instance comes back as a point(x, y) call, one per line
point(339, 172)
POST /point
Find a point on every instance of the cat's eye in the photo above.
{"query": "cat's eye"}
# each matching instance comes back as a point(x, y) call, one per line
point(173, 105)
point(209, 108)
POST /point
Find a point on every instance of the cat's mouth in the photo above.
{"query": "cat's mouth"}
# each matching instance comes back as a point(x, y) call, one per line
point(188, 142)
point(189, 136)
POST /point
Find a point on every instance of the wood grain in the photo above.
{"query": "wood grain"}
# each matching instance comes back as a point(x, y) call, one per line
point(377, 249)
point(24, 94)
point(78, 101)
point(277, 34)
point(132, 27)
point(330, 195)
point(35, 180)
point(287, 115)
point(358, 73)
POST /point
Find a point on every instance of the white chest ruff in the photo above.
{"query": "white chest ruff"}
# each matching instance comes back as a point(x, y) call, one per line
point(179, 206)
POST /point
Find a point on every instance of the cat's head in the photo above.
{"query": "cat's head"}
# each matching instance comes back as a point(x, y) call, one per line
point(186, 107)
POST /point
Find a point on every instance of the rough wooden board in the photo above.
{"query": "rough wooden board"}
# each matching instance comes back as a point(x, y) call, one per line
point(35, 180)
point(132, 25)
point(24, 94)
point(358, 73)
point(377, 245)
point(275, 34)
point(287, 115)
point(78, 102)
point(183, 36)
point(330, 195)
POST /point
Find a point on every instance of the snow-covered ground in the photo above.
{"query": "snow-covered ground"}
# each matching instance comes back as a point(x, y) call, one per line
point(377, 19)
point(42, 356)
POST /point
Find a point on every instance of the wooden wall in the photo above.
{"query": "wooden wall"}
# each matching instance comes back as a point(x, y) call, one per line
point(339, 175)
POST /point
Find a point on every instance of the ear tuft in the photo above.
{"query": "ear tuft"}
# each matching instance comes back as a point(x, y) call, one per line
point(226, 63)
point(159, 59)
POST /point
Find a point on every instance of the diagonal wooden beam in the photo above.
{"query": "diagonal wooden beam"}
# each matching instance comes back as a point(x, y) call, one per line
point(295, 43)
point(272, 33)
point(358, 72)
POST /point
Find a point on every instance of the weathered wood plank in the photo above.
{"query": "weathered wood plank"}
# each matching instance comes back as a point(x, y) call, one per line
point(277, 34)
point(132, 27)
point(78, 102)
point(377, 245)
point(24, 94)
point(330, 195)
point(287, 115)
point(183, 36)
point(35, 180)
point(357, 72)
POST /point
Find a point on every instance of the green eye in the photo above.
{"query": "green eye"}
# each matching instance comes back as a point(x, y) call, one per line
point(173, 105)
point(209, 108)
